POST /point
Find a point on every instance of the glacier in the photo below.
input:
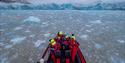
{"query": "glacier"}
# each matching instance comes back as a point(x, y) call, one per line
point(63, 6)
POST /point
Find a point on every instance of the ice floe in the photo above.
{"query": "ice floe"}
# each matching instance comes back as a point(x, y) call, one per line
point(27, 31)
point(88, 30)
point(44, 24)
point(3, 60)
point(39, 42)
point(121, 41)
point(2, 44)
point(2, 23)
point(84, 36)
point(96, 22)
point(1, 30)
point(88, 25)
point(32, 19)
point(98, 46)
point(31, 35)
point(18, 28)
point(116, 59)
point(47, 34)
point(8, 46)
point(17, 40)
point(15, 56)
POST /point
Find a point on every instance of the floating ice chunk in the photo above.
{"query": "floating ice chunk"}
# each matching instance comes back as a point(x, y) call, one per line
point(47, 34)
point(2, 23)
point(98, 46)
point(88, 30)
point(8, 46)
point(18, 40)
point(18, 28)
point(44, 24)
point(96, 22)
point(121, 41)
point(27, 31)
point(3, 60)
point(2, 30)
point(84, 36)
point(32, 19)
point(2, 44)
point(116, 59)
point(88, 25)
point(15, 56)
point(31, 60)
point(39, 42)
point(31, 35)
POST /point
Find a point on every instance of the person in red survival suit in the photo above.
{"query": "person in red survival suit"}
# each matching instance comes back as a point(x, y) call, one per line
point(60, 37)
point(55, 46)
point(74, 47)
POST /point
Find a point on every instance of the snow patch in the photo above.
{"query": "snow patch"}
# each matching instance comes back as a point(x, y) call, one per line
point(39, 42)
point(18, 28)
point(32, 19)
point(84, 36)
point(96, 22)
point(98, 46)
point(121, 41)
point(18, 40)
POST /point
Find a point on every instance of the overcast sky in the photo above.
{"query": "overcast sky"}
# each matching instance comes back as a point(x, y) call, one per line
point(74, 1)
